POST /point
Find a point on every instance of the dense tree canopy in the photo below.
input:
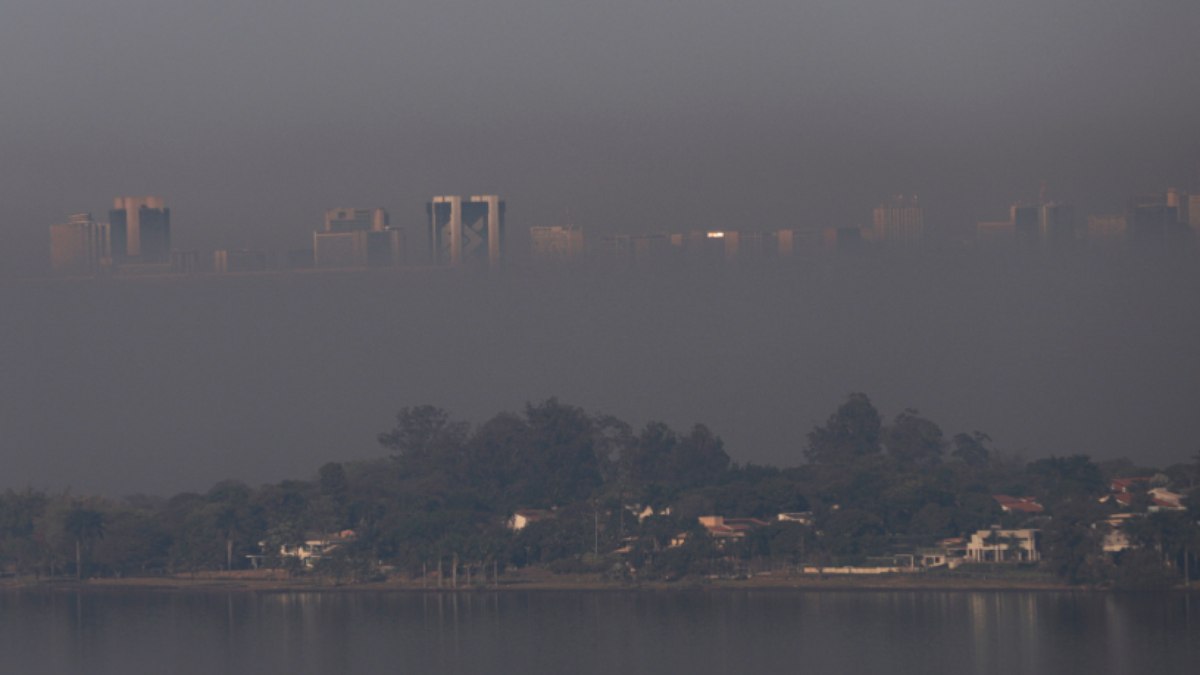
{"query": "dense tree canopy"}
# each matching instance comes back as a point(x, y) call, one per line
point(446, 488)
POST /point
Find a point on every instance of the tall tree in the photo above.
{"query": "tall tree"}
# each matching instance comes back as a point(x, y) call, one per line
point(853, 431)
point(563, 448)
point(914, 441)
point(1061, 478)
point(972, 448)
point(423, 433)
point(698, 458)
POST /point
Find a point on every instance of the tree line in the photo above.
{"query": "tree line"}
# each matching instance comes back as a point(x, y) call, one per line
point(624, 503)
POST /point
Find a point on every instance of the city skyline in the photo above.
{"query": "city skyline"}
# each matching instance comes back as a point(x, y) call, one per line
point(624, 118)
point(460, 229)
point(627, 120)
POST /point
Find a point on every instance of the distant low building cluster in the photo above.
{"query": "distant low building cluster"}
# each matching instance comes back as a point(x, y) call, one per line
point(357, 238)
point(1155, 220)
point(471, 231)
point(136, 235)
point(136, 240)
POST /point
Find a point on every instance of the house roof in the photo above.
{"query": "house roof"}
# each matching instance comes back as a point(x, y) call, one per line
point(1018, 504)
point(1169, 500)
point(1123, 484)
point(720, 526)
point(745, 523)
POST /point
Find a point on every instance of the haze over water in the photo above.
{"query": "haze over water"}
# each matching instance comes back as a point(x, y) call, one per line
point(167, 385)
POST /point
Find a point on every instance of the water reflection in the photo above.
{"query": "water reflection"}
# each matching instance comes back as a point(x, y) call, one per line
point(629, 633)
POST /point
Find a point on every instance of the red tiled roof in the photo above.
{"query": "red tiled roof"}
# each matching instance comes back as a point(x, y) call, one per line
point(1123, 484)
point(1020, 504)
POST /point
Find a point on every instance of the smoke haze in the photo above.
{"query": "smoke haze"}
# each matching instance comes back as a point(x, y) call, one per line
point(163, 385)
point(252, 118)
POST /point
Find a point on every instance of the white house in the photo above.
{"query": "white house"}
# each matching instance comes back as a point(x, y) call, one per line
point(521, 518)
point(997, 545)
point(316, 547)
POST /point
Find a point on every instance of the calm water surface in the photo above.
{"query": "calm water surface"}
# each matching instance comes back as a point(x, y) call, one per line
point(604, 632)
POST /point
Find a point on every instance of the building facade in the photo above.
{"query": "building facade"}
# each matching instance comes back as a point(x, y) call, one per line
point(556, 244)
point(140, 230)
point(356, 238)
point(466, 230)
point(900, 220)
point(80, 246)
point(1153, 220)
point(1056, 226)
point(1000, 545)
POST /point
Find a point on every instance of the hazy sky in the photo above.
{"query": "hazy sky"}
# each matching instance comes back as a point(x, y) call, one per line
point(159, 386)
point(253, 116)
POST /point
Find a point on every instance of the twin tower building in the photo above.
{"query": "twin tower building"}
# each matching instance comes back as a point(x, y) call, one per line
point(461, 231)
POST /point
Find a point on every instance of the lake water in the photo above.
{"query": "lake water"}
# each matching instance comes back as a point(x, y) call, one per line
point(536, 633)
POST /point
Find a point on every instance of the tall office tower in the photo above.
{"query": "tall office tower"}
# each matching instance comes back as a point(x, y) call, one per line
point(1151, 220)
point(463, 231)
point(1056, 226)
point(80, 246)
point(785, 243)
point(712, 245)
point(900, 220)
point(140, 230)
point(556, 244)
point(1026, 225)
point(1172, 198)
point(357, 238)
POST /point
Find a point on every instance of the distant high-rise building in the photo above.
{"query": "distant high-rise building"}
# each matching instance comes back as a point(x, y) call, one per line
point(900, 220)
point(785, 243)
point(1056, 226)
point(463, 231)
point(140, 230)
point(1026, 225)
point(845, 239)
point(80, 246)
point(1153, 219)
point(1193, 212)
point(556, 244)
point(357, 238)
point(1049, 226)
point(712, 245)
point(766, 245)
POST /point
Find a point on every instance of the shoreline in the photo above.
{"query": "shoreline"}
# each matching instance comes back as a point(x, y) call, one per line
point(539, 581)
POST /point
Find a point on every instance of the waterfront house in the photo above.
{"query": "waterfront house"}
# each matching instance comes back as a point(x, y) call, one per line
point(317, 546)
point(1000, 545)
point(522, 518)
point(1010, 504)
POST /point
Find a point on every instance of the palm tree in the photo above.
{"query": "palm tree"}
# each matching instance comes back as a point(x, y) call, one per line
point(84, 525)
